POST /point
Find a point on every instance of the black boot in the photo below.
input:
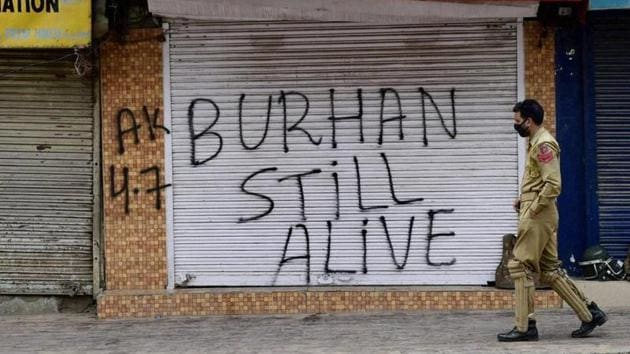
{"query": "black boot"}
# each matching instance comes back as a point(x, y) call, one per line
point(515, 336)
point(531, 328)
point(599, 318)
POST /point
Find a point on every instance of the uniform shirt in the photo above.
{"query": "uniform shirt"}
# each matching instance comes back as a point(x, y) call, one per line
point(541, 181)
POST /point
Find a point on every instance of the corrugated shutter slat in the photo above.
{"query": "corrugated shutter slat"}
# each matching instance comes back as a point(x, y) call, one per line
point(611, 45)
point(475, 174)
point(46, 197)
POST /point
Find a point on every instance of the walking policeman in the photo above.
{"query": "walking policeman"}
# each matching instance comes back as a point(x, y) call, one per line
point(536, 248)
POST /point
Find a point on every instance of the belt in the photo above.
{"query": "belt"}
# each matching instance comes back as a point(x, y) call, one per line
point(528, 196)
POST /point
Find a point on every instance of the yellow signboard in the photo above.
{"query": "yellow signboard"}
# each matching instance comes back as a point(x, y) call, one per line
point(45, 23)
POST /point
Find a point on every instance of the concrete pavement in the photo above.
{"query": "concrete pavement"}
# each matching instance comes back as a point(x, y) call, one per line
point(607, 293)
point(441, 332)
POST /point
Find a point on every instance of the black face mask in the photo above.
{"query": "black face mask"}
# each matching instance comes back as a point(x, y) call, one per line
point(521, 130)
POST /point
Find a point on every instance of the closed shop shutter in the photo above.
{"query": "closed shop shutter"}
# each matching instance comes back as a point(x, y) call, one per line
point(46, 122)
point(241, 216)
point(611, 45)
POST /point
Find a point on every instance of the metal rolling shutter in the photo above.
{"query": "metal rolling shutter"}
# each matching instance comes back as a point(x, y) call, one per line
point(611, 43)
point(46, 122)
point(474, 174)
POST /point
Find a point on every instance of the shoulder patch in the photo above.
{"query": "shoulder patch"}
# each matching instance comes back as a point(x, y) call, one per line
point(545, 153)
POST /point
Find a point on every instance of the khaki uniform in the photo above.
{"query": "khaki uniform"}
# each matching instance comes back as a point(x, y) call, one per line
point(536, 248)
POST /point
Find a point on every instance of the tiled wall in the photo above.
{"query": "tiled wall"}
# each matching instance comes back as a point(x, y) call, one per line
point(135, 241)
point(123, 304)
point(540, 71)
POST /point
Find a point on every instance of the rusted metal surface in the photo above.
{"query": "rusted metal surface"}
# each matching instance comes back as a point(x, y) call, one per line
point(364, 11)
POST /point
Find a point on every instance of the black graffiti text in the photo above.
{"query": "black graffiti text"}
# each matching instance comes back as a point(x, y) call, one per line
point(398, 262)
point(120, 179)
point(194, 136)
point(389, 100)
point(302, 178)
point(127, 124)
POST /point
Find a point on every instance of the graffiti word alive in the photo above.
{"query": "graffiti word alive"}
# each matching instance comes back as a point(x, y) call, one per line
point(399, 262)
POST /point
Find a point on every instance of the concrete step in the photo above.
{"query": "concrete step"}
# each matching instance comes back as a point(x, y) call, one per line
point(606, 294)
point(37, 305)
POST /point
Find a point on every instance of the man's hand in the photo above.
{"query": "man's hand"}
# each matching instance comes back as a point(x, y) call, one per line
point(517, 205)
